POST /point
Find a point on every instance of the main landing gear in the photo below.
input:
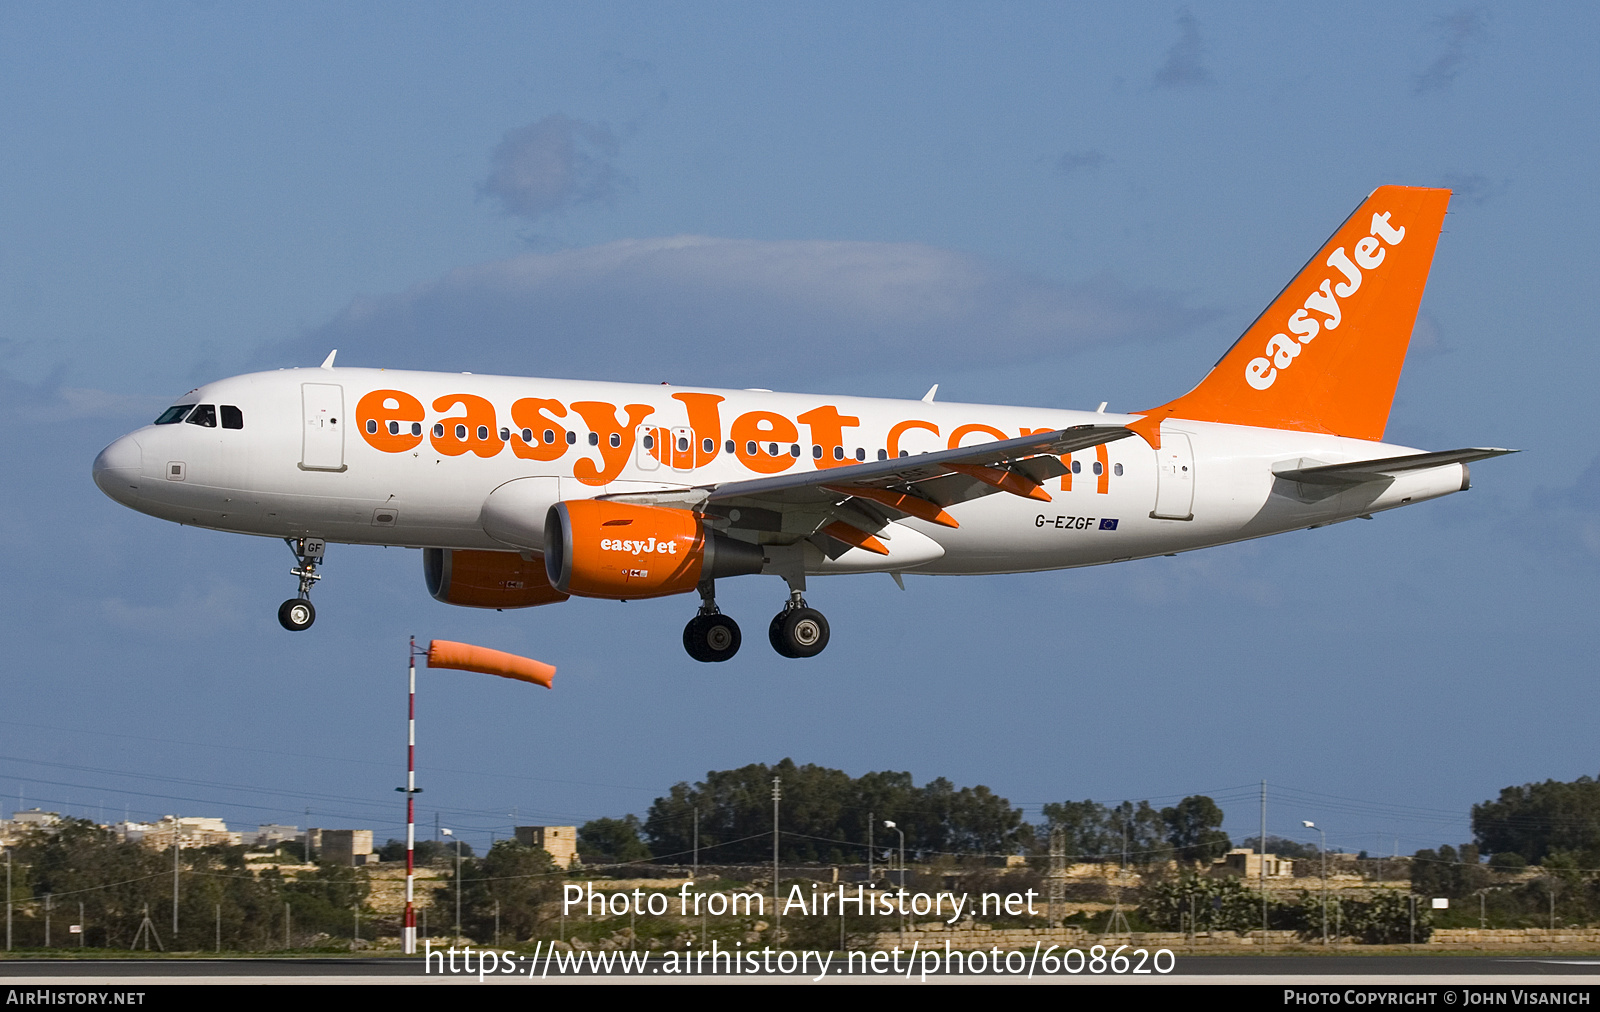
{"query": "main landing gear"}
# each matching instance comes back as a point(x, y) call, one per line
point(711, 635)
point(297, 613)
point(798, 631)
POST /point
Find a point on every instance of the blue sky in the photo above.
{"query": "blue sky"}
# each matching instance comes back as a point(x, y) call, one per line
point(1032, 203)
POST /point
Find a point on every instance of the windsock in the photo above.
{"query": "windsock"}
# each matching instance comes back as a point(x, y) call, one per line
point(466, 657)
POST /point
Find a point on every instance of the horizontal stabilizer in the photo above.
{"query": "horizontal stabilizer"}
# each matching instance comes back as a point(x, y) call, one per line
point(1362, 471)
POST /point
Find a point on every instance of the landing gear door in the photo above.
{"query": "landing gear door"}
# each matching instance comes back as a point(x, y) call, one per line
point(323, 445)
point(1174, 478)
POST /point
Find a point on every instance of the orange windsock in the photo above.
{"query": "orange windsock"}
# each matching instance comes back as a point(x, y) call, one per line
point(466, 657)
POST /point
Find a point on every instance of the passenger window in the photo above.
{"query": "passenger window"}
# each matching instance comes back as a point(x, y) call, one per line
point(750, 448)
point(173, 414)
point(372, 425)
point(729, 447)
point(572, 438)
point(1116, 469)
point(203, 414)
point(883, 454)
point(708, 445)
point(649, 441)
point(550, 436)
point(594, 439)
point(416, 428)
point(232, 417)
point(794, 451)
point(1077, 467)
point(1099, 468)
point(861, 454)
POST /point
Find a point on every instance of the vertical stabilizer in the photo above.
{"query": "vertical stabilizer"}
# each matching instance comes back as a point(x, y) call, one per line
point(1326, 354)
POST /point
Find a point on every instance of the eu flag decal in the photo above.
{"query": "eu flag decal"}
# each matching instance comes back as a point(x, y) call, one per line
point(1108, 525)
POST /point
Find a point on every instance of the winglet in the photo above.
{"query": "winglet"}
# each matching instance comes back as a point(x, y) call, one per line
point(327, 363)
point(1325, 356)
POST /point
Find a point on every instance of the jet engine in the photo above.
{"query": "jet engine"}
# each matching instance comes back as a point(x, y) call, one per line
point(476, 579)
point(597, 548)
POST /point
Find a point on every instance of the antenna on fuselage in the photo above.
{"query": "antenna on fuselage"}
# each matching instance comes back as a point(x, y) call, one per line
point(327, 363)
point(928, 397)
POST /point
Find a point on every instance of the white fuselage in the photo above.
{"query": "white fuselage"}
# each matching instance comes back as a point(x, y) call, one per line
point(305, 464)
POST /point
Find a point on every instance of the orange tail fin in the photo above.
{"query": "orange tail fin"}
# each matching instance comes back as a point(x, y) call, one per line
point(1326, 355)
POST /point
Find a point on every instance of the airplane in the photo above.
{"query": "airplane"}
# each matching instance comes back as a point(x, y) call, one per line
point(523, 492)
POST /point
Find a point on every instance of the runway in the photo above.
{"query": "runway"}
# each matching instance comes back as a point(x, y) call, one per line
point(1338, 971)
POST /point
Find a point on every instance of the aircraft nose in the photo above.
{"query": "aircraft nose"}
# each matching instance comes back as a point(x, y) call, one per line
point(117, 470)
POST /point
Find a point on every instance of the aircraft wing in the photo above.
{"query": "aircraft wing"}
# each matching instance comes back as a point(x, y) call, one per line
point(852, 502)
point(1361, 471)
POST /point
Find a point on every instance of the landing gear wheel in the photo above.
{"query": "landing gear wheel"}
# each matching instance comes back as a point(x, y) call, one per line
point(799, 632)
point(711, 638)
point(775, 634)
point(296, 614)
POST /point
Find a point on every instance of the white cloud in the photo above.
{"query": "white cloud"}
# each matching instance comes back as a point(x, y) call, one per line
point(556, 163)
point(736, 312)
point(192, 615)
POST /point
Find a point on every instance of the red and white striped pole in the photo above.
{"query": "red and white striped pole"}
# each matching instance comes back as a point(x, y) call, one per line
point(463, 657)
point(408, 937)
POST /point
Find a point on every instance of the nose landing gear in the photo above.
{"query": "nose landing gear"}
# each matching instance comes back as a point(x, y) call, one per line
point(711, 636)
point(297, 614)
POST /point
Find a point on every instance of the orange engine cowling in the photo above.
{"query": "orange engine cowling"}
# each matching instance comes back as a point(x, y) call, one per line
point(596, 548)
point(487, 579)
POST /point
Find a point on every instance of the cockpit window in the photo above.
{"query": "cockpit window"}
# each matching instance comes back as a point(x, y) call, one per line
point(173, 414)
point(203, 414)
point(232, 417)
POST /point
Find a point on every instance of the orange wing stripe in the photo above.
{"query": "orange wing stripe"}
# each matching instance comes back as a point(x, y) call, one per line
point(850, 536)
point(918, 507)
point(1006, 481)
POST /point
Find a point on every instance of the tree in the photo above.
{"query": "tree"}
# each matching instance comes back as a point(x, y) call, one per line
point(1535, 819)
point(1194, 828)
point(520, 879)
point(612, 841)
point(1216, 904)
point(1282, 847)
point(1140, 830)
point(426, 851)
point(1448, 872)
point(1387, 919)
point(824, 816)
point(1085, 829)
